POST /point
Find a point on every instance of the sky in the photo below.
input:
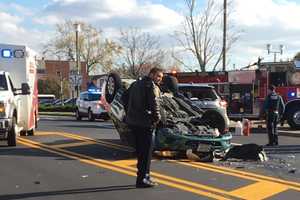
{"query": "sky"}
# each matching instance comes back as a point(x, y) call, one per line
point(260, 22)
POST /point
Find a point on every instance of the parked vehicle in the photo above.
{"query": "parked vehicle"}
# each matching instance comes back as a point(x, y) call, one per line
point(46, 98)
point(71, 101)
point(245, 90)
point(89, 105)
point(18, 92)
point(206, 98)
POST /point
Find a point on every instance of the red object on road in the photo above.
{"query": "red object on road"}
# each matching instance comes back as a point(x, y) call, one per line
point(246, 127)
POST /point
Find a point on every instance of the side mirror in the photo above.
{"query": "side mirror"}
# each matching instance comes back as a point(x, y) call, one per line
point(25, 89)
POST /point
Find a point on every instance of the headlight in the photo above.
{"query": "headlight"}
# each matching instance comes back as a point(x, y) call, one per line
point(2, 109)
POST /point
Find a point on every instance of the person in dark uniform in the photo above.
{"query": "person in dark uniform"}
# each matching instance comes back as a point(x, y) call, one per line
point(273, 108)
point(142, 116)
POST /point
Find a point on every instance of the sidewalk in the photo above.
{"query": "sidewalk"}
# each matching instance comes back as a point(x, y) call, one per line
point(259, 126)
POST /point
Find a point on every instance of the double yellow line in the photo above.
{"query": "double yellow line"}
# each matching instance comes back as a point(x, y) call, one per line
point(263, 186)
point(185, 185)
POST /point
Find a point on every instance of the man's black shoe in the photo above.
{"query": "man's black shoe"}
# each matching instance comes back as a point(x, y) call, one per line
point(146, 183)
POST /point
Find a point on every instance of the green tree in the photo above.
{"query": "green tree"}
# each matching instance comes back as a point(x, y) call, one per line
point(297, 56)
point(140, 52)
point(49, 86)
point(94, 49)
point(201, 36)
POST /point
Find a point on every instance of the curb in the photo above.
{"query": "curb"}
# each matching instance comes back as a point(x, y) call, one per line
point(263, 131)
point(57, 113)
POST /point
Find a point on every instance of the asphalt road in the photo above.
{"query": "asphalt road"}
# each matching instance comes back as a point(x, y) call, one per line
point(69, 159)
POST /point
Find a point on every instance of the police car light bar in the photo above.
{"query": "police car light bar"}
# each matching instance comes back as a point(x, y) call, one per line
point(6, 53)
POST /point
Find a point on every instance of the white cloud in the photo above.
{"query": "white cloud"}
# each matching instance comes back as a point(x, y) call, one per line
point(112, 13)
point(265, 21)
point(12, 32)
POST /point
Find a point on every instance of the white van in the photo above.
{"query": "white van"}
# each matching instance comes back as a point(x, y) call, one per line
point(18, 92)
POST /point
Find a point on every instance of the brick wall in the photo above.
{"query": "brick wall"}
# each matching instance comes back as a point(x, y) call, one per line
point(52, 68)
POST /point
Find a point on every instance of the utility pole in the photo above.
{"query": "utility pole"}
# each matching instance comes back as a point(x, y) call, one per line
point(224, 34)
point(77, 86)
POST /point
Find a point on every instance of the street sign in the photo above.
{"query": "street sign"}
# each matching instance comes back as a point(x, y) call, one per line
point(75, 80)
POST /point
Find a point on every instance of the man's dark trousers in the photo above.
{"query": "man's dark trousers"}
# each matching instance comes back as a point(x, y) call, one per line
point(272, 120)
point(144, 147)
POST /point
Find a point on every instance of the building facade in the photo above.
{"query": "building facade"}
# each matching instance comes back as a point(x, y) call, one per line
point(64, 71)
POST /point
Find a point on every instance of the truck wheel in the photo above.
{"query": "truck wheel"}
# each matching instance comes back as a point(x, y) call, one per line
point(30, 132)
point(91, 116)
point(22, 133)
point(113, 84)
point(77, 114)
point(12, 134)
point(293, 117)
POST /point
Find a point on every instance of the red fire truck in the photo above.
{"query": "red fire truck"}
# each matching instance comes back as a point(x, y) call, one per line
point(245, 90)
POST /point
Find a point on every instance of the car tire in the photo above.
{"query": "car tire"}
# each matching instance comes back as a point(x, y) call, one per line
point(293, 117)
point(23, 133)
point(91, 116)
point(12, 134)
point(214, 119)
point(113, 84)
point(77, 114)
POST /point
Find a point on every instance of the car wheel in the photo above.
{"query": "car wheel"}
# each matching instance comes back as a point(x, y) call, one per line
point(293, 117)
point(214, 119)
point(22, 133)
point(112, 85)
point(12, 133)
point(91, 116)
point(77, 114)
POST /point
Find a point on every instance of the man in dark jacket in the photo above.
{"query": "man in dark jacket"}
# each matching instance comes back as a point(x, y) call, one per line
point(142, 116)
point(273, 108)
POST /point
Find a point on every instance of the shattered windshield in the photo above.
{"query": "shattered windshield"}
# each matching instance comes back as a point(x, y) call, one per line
point(3, 83)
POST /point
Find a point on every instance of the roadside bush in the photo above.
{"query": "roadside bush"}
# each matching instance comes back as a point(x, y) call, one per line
point(56, 108)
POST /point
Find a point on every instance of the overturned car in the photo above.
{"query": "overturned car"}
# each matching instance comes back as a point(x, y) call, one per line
point(185, 128)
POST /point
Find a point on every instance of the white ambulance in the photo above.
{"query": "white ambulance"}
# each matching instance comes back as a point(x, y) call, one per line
point(18, 92)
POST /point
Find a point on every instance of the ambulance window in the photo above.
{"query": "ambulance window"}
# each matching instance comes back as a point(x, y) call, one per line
point(3, 83)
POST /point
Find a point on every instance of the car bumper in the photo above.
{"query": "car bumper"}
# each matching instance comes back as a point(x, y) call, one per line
point(101, 115)
point(5, 125)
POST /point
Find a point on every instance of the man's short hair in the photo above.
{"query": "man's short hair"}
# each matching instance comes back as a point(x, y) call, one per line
point(272, 87)
point(155, 70)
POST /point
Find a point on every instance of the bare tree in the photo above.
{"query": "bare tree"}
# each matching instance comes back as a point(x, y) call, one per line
point(141, 51)
point(201, 35)
point(94, 49)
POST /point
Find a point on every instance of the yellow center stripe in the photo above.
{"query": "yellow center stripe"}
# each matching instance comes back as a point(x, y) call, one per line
point(189, 186)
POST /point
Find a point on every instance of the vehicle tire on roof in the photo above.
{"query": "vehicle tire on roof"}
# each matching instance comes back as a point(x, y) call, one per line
point(214, 119)
point(112, 85)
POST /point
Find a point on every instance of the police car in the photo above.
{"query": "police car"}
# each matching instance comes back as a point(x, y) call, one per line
point(89, 105)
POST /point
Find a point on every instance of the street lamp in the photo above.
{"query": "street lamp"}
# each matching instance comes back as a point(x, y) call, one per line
point(224, 33)
point(77, 30)
point(269, 48)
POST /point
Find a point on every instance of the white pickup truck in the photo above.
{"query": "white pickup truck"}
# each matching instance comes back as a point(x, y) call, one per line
point(18, 92)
